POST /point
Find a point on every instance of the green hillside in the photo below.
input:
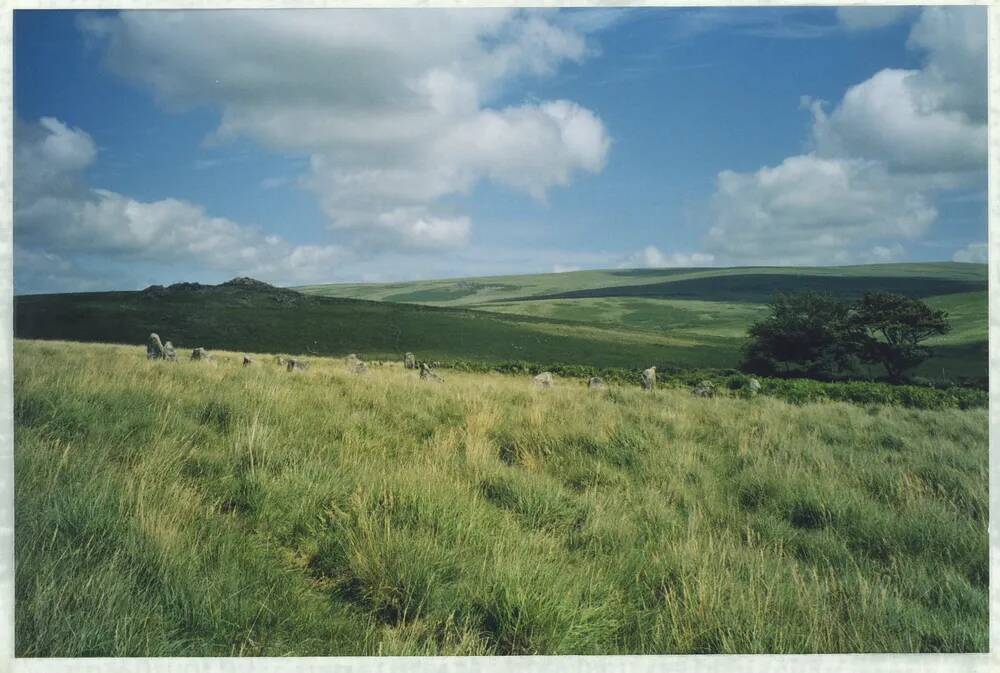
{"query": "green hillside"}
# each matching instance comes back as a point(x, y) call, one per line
point(673, 318)
point(921, 279)
point(265, 319)
point(710, 306)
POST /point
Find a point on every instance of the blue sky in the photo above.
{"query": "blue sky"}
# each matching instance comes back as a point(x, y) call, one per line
point(392, 145)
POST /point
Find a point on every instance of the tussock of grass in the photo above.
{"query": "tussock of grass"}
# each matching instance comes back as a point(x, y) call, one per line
point(206, 509)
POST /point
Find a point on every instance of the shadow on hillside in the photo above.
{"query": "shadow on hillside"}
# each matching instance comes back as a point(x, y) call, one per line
point(760, 288)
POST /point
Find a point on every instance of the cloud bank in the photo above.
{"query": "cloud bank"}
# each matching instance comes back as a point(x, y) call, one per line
point(394, 108)
point(58, 217)
point(878, 159)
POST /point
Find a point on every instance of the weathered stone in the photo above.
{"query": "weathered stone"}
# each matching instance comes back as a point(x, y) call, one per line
point(200, 354)
point(704, 389)
point(247, 360)
point(154, 348)
point(753, 385)
point(427, 375)
point(359, 367)
point(596, 383)
point(649, 378)
point(543, 380)
point(292, 364)
point(168, 352)
point(409, 361)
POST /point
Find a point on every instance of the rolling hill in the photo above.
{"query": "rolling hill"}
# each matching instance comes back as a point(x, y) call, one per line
point(711, 306)
point(628, 318)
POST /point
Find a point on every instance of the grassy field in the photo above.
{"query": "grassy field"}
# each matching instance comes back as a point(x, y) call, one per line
point(627, 318)
point(919, 279)
point(197, 508)
point(272, 320)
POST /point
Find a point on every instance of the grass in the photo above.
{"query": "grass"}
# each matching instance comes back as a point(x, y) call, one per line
point(219, 317)
point(710, 307)
point(930, 278)
point(625, 318)
point(191, 508)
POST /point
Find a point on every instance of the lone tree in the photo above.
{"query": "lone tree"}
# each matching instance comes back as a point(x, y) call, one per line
point(805, 334)
point(892, 328)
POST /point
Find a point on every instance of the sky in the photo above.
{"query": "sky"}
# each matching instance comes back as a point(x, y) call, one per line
point(302, 147)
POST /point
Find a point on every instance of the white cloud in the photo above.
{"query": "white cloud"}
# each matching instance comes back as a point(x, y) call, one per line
point(974, 252)
point(813, 210)
point(954, 77)
point(890, 118)
point(59, 219)
point(652, 257)
point(393, 107)
point(869, 18)
point(931, 120)
point(881, 157)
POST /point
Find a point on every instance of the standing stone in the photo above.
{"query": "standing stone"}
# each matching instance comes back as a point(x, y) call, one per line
point(649, 378)
point(543, 380)
point(293, 364)
point(753, 386)
point(246, 360)
point(427, 375)
point(168, 352)
point(704, 389)
point(154, 349)
point(596, 383)
point(410, 362)
point(200, 354)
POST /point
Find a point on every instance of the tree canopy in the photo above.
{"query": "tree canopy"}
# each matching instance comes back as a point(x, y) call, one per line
point(819, 336)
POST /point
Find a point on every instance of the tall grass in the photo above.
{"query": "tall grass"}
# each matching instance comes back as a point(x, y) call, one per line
point(197, 508)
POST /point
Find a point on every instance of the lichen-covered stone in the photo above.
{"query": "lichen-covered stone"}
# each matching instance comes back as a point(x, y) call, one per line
point(427, 375)
point(704, 389)
point(200, 354)
point(154, 347)
point(544, 380)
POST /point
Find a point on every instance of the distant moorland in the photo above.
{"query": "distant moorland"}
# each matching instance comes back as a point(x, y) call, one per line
point(627, 318)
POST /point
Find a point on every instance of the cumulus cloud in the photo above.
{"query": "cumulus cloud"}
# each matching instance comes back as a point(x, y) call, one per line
point(887, 118)
point(60, 220)
point(811, 209)
point(974, 252)
point(879, 160)
point(393, 107)
point(652, 257)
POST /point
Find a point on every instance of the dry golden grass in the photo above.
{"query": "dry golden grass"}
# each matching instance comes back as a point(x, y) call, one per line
point(209, 509)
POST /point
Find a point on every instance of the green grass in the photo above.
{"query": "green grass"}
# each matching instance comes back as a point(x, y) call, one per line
point(196, 508)
point(627, 318)
point(920, 279)
point(217, 317)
